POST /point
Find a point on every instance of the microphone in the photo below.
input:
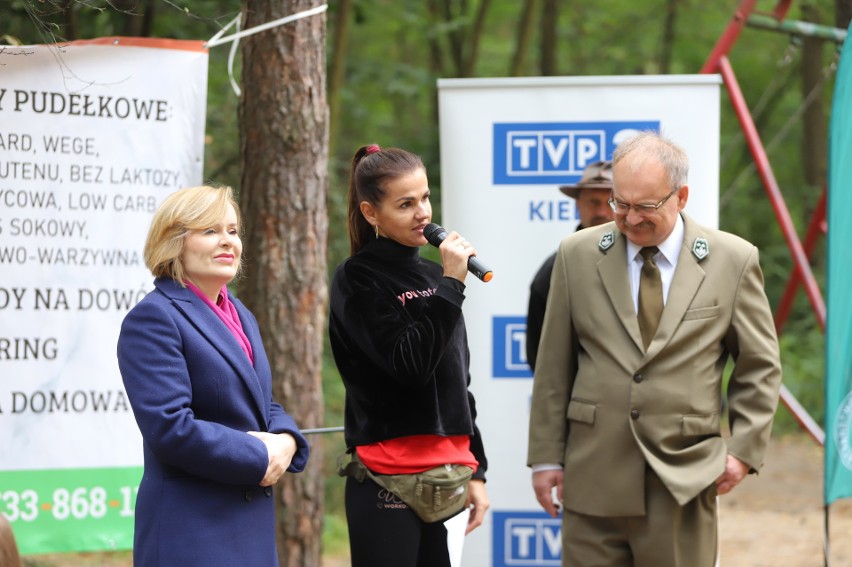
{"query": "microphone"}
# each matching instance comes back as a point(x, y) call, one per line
point(436, 234)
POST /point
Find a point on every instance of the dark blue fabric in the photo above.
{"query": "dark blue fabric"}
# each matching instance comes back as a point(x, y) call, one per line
point(194, 395)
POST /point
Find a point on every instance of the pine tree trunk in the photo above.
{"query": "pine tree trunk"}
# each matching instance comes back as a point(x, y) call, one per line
point(524, 36)
point(549, 19)
point(475, 38)
point(667, 46)
point(337, 72)
point(284, 155)
point(815, 128)
point(842, 13)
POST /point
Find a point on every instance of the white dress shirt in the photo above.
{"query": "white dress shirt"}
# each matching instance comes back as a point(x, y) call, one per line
point(666, 260)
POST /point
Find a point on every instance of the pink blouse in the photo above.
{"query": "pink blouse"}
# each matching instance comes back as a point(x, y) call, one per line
point(227, 313)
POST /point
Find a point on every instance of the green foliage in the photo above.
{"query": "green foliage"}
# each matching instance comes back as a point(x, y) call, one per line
point(802, 357)
point(335, 535)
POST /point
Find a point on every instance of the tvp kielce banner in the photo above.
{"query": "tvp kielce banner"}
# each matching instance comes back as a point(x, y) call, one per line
point(93, 136)
point(838, 356)
point(506, 147)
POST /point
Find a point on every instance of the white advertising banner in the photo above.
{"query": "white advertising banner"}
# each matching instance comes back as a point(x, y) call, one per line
point(506, 147)
point(93, 135)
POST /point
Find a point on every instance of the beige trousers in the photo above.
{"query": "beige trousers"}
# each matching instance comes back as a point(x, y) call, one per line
point(668, 535)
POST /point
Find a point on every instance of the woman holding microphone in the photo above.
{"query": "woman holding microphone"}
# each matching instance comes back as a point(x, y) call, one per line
point(399, 341)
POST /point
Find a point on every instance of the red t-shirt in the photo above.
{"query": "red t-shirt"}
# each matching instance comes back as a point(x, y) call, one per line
point(416, 453)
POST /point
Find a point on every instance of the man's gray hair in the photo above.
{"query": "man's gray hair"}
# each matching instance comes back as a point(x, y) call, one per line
point(652, 144)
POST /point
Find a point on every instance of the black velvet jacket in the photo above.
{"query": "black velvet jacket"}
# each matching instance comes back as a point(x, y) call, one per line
point(399, 341)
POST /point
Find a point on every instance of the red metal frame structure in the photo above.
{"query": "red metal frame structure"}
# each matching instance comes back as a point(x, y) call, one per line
point(718, 62)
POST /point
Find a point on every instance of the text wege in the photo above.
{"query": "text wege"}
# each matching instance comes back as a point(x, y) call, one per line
point(69, 145)
point(66, 145)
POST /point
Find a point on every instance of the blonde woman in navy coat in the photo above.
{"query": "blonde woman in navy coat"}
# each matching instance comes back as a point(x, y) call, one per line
point(199, 383)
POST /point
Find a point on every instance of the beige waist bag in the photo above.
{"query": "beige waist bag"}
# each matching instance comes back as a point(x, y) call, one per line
point(434, 495)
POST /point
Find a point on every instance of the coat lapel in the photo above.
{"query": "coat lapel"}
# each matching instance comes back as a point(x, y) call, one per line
point(214, 330)
point(612, 269)
point(253, 334)
point(685, 283)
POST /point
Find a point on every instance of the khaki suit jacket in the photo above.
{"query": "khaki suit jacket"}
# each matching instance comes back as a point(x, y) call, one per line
point(605, 409)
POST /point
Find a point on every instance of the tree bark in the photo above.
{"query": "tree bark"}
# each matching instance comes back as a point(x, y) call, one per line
point(842, 13)
point(436, 55)
point(70, 14)
point(475, 38)
point(549, 17)
point(814, 135)
point(138, 16)
point(461, 47)
point(456, 34)
point(667, 47)
point(284, 149)
point(523, 38)
point(337, 73)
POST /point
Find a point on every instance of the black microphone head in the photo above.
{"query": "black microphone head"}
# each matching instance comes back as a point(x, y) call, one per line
point(434, 233)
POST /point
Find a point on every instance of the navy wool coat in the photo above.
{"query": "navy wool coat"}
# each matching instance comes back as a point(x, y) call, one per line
point(195, 395)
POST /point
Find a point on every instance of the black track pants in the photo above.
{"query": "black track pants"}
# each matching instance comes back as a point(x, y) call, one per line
point(384, 532)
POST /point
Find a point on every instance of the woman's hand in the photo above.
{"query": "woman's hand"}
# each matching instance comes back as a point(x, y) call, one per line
point(478, 498)
point(280, 447)
point(455, 251)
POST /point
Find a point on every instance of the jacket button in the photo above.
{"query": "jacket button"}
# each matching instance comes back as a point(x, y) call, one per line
point(268, 491)
point(634, 413)
point(249, 496)
point(638, 378)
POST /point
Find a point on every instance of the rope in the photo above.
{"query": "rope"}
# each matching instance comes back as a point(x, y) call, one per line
point(728, 193)
point(777, 78)
point(218, 40)
point(232, 54)
point(322, 430)
point(786, 59)
point(234, 38)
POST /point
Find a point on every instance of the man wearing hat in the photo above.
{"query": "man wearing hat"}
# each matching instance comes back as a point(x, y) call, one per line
point(591, 194)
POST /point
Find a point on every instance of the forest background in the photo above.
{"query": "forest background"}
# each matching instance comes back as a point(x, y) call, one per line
point(383, 58)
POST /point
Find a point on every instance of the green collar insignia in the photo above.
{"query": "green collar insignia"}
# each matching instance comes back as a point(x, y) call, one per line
point(700, 248)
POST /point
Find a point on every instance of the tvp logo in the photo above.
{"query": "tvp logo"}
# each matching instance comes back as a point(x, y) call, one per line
point(546, 153)
point(509, 347)
point(526, 539)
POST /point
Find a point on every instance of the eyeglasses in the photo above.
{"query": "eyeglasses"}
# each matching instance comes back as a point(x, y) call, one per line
point(620, 208)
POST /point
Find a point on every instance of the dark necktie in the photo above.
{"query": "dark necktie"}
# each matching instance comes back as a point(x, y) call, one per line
point(650, 295)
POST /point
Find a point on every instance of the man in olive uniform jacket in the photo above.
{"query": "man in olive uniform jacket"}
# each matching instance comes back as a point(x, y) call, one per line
point(625, 419)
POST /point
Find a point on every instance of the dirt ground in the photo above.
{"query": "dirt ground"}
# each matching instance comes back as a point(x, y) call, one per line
point(771, 520)
point(777, 518)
